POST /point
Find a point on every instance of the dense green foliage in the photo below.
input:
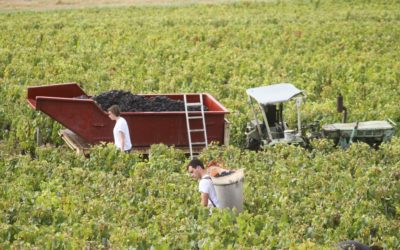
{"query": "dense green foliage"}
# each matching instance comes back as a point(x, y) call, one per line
point(293, 197)
point(51, 198)
point(322, 48)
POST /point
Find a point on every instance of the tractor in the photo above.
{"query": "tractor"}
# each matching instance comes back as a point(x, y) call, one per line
point(269, 126)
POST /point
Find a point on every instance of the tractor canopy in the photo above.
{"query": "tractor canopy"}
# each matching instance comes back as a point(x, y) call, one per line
point(273, 94)
point(271, 127)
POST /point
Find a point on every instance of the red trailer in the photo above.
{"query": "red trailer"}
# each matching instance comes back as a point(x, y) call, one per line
point(87, 124)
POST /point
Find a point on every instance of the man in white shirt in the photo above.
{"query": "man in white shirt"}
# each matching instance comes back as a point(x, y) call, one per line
point(208, 197)
point(122, 138)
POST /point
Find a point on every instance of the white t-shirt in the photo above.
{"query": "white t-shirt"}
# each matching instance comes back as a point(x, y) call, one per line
point(122, 126)
point(206, 186)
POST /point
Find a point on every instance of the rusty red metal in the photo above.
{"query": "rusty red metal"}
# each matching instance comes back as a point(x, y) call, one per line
point(85, 118)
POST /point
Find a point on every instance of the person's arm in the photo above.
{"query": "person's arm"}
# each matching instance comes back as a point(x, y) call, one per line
point(122, 138)
point(204, 199)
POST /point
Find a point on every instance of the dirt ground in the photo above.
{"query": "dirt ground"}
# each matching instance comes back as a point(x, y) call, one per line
point(59, 4)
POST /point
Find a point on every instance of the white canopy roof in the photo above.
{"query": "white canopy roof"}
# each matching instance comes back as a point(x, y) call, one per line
point(276, 93)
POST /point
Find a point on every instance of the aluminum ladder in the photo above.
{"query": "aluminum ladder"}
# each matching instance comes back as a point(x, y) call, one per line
point(192, 116)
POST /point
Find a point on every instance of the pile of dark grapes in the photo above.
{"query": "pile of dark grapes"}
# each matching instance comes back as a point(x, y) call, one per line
point(129, 102)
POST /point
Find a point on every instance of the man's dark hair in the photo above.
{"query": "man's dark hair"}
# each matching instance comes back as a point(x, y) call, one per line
point(353, 244)
point(115, 110)
point(195, 163)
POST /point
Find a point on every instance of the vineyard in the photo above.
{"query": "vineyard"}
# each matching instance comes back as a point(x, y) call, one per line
point(295, 198)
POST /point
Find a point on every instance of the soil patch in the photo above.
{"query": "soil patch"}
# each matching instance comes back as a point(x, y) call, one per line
point(70, 4)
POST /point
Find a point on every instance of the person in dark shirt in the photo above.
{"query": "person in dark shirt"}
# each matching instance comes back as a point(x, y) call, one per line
point(355, 245)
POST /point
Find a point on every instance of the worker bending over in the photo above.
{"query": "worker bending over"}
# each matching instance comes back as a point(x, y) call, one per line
point(206, 187)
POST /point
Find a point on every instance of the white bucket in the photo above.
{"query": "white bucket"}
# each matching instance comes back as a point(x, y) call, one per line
point(229, 190)
point(289, 135)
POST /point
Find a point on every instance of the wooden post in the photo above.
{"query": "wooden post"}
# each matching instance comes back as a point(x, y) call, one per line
point(39, 141)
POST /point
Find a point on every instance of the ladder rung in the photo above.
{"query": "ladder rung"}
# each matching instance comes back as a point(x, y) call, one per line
point(195, 117)
point(192, 104)
point(199, 143)
point(196, 130)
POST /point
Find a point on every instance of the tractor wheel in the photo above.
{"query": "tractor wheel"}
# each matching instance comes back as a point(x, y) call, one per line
point(252, 144)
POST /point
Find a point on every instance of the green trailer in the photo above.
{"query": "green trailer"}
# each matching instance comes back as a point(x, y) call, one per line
point(370, 132)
